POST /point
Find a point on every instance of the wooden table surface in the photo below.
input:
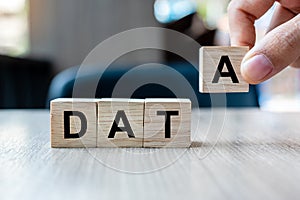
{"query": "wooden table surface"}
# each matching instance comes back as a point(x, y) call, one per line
point(236, 154)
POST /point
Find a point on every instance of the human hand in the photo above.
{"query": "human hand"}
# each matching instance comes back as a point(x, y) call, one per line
point(279, 48)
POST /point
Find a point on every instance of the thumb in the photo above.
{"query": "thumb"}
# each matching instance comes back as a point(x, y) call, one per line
point(278, 49)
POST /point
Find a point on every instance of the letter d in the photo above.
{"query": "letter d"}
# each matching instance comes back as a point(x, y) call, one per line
point(67, 115)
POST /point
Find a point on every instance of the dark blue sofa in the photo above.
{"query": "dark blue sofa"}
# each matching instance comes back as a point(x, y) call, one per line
point(62, 85)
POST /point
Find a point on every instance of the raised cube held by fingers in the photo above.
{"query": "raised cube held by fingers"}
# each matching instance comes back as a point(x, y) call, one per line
point(220, 69)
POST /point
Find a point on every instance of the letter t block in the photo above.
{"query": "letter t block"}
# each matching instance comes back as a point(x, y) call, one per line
point(220, 69)
point(167, 123)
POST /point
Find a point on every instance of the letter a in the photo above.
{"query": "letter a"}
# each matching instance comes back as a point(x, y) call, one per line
point(115, 127)
point(225, 60)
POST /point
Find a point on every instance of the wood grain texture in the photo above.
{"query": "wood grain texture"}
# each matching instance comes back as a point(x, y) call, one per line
point(86, 106)
point(154, 123)
point(257, 156)
point(107, 113)
point(209, 61)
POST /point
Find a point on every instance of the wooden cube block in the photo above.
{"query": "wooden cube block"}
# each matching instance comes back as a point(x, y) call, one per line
point(73, 122)
point(120, 122)
point(167, 123)
point(220, 69)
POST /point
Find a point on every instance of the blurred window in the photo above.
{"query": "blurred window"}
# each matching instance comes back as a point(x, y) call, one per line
point(14, 34)
point(166, 11)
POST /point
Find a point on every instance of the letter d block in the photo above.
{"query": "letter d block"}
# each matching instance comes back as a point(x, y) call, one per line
point(120, 122)
point(167, 123)
point(73, 122)
point(220, 69)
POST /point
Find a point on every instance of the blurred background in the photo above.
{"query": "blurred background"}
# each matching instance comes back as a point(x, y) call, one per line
point(42, 42)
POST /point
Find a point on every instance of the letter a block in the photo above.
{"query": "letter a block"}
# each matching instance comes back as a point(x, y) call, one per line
point(220, 69)
point(167, 123)
point(73, 122)
point(120, 122)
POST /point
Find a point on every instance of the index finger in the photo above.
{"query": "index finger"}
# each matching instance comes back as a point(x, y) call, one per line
point(242, 15)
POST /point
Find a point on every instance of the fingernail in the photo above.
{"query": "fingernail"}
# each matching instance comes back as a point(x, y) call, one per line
point(257, 67)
